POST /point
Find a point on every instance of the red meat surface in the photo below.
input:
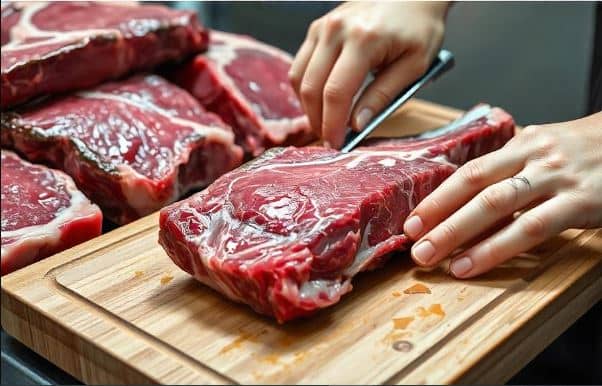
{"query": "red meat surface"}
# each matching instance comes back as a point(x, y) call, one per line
point(54, 47)
point(287, 232)
point(42, 213)
point(132, 146)
point(246, 83)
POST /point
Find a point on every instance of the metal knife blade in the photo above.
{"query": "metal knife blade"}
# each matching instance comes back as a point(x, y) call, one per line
point(442, 63)
point(472, 115)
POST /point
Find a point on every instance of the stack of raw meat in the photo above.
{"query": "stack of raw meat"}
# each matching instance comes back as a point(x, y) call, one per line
point(78, 95)
point(284, 233)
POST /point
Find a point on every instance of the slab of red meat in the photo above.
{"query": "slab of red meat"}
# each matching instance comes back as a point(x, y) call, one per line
point(286, 233)
point(62, 46)
point(132, 146)
point(246, 83)
point(42, 213)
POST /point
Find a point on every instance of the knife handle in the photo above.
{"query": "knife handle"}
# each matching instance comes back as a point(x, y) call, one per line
point(442, 63)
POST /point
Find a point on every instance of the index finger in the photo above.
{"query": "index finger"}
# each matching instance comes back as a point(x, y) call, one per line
point(343, 83)
point(300, 62)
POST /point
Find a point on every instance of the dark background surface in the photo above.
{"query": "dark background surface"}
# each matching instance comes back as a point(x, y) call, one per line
point(533, 59)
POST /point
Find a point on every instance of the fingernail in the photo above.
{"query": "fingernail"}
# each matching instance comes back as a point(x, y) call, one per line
point(413, 226)
point(423, 252)
point(461, 266)
point(326, 144)
point(363, 118)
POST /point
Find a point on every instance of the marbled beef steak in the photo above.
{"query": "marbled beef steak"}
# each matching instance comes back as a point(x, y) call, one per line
point(63, 46)
point(42, 213)
point(286, 232)
point(246, 83)
point(132, 146)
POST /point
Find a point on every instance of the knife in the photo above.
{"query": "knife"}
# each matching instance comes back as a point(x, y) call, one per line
point(442, 63)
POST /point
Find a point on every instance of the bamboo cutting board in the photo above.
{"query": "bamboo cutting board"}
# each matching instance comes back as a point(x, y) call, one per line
point(117, 310)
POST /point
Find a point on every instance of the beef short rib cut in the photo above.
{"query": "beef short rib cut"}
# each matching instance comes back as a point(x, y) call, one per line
point(132, 146)
point(286, 233)
point(42, 213)
point(62, 46)
point(246, 83)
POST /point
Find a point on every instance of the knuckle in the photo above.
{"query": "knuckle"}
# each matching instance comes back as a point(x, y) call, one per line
point(294, 77)
point(472, 173)
point(421, 65)
point(314, 28)
point(496, 199)
point(493, 253)
point(364, 33)
point(334, 92)
point(446, 233)
point(333, 22)
point(307, 91)
point(554, 161)
point(533, 226)
point(545, 145)
point(531, 130)
point(581, 202)
point(380, 96)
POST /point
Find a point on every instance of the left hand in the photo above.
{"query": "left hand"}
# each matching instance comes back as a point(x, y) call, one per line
point(551, 173)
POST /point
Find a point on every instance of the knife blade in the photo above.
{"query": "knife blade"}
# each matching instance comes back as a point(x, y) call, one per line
point(442, 63)
point(475, 114)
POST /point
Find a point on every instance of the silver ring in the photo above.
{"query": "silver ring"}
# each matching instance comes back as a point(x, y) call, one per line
point(517, 180)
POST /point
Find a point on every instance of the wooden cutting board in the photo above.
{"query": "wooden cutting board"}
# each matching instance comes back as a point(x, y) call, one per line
point(116, 310)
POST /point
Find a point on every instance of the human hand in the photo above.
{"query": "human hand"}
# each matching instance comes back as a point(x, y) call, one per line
point(552, 173)
point(397, 40)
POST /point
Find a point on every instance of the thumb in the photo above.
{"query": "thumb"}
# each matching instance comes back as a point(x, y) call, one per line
point(387, 84)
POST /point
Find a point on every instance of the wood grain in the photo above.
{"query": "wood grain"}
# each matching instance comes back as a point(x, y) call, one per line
point(117, 310)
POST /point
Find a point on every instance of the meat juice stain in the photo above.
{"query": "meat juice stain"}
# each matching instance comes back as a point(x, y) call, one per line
point(300, 357)
point(396, 294)
point(402, 323)
point(422, 312)
point(272, 359)
point(243, 337)
point(286, 341)
point(434, 309)
point(395, 335)
point(166, 279)
point(138, 274)
point(417, 288)
point(237, 343)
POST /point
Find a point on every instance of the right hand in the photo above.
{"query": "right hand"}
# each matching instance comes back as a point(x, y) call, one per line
point(396, 40)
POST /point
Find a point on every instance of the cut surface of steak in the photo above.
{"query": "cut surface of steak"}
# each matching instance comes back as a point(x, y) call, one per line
point(62, 46)
point(246, 83)
point(286, 233)
point(132, 146)
point(42, 213)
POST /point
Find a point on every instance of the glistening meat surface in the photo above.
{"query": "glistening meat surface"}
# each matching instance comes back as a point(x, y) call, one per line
point(61, 46)
point(246, 83)
point(132, 146)
point(42, 213)
point(287, 232)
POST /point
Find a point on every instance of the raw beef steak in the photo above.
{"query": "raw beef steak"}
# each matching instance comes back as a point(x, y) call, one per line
point(42, 213)
point(285, 233)
point(132, 146)
point(246, 83)
point(61, 46)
